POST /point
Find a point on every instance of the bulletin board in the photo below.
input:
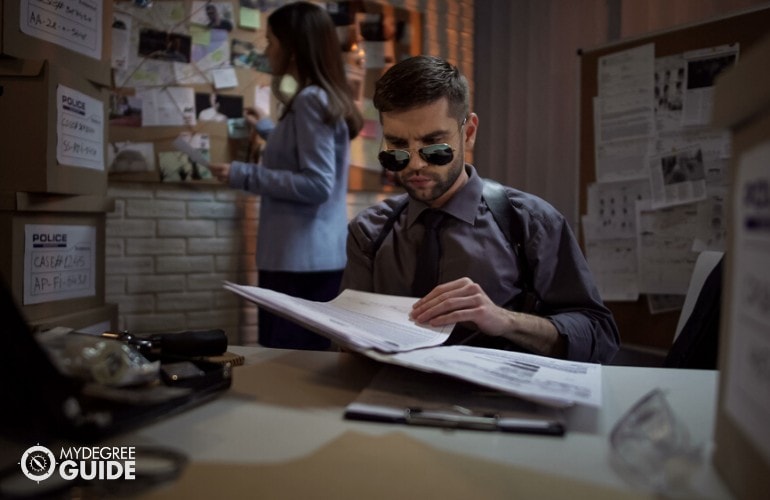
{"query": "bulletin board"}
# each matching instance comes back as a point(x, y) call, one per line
point(191, 68)
point(637, 324)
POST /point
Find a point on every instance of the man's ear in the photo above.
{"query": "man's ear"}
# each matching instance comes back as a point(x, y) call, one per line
point(469, 131)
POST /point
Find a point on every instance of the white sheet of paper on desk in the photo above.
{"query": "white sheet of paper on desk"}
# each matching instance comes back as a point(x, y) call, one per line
point(555, 382)
point(358, 320)
point(378, 326)
point(195, 156)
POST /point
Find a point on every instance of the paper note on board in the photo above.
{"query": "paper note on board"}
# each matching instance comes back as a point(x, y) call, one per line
point(73, 24)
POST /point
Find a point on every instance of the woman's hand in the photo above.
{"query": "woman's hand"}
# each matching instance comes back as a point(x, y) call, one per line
point(253, 115)
point(220, 170)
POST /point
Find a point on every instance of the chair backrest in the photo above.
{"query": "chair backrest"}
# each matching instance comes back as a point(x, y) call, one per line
point(707, 260)
point(696, 343)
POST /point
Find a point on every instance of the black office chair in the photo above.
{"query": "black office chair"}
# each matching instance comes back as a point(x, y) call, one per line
point(697, 344)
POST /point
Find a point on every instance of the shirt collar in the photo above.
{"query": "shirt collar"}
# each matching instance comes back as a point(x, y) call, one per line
point(463, 205)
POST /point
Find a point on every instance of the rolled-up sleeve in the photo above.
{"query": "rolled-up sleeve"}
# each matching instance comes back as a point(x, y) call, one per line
point(566, 287)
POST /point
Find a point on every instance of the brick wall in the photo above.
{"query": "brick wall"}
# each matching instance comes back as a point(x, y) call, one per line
point(170, 246)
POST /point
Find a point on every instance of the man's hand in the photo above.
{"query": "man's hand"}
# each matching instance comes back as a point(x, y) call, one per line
point(220, 170)
point(463, 300)
point(460, 301)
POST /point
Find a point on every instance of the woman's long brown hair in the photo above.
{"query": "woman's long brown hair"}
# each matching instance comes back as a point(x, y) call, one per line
point(307, 33)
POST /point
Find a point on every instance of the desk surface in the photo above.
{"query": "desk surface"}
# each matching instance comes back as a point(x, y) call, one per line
point(279, 431)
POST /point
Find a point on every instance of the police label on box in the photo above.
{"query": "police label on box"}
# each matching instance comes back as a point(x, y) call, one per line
point(59, 262)
point(80, 129)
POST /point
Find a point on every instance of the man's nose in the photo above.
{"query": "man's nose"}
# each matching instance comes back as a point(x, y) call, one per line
point(416, 161)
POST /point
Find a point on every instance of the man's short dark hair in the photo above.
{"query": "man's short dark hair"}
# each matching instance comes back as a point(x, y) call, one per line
point(419, 81)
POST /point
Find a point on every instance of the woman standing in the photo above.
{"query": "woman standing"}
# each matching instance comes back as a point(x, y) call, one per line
point(302, 175)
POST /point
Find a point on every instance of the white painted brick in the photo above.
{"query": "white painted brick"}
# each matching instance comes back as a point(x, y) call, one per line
point(155, 209)
point(128, 265)
point(209, 281)
point(225, 299)
point(229, 263)
point(113, 247)
point(154, 323)
point(230, 195)
point(125, 190)
point(213, 318)
point(130, 228)
point(119, 211)
point(156, 246)
point(155, 283)
point(114, 285)
point(228, 228)
point(184, 193)
point(184, 265)
point(186, 227)
point(184, 301)
point(212, 210)
point(197, 246)
point(135, 303)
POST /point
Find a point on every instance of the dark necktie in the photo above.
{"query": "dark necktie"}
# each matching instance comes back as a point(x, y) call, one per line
point(429, 254)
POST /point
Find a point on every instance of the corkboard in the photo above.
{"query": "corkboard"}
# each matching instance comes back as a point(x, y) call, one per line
point(637, 326)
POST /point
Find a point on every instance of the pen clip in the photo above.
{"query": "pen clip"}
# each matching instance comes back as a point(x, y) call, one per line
point(437, 418)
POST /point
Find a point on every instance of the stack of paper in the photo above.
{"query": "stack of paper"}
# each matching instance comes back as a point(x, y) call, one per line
point(378, 326)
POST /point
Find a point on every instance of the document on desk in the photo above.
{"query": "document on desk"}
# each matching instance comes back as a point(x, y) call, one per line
point(356, 320)
point(378, 326)
point(550, 381)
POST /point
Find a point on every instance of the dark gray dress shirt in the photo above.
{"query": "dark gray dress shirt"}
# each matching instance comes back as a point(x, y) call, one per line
point(473, 246)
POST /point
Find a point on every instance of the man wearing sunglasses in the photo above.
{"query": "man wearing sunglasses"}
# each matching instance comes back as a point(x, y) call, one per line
point(478, 272)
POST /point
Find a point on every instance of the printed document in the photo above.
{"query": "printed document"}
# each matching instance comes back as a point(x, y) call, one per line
point(378, 326)
point(357, 320)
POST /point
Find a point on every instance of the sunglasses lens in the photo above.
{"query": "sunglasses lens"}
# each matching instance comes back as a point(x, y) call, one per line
point(437, 154)
point(394, 159)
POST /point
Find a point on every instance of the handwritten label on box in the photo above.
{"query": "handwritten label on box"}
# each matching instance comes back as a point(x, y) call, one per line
point(79, 129)
point(59, 262)
point(73, 24)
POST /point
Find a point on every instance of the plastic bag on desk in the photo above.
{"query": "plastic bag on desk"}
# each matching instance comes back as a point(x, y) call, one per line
point(650, 447)
point(96, 359)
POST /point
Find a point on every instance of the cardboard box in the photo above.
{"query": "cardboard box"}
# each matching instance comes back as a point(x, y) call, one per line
point(77, 33)
point(53, 261)
point(96, 320)
point(56, 130)
point(742, 454)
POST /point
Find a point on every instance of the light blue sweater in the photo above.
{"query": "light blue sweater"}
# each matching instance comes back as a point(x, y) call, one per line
point(302, 178)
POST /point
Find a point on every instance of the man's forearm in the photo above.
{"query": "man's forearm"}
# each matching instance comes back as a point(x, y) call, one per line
point(536, 334)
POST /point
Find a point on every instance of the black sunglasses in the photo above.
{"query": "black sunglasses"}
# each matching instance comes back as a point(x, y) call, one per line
point(396, 160)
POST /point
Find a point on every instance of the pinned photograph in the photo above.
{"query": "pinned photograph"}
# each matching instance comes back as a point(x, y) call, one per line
point(131, 157)
point(245, 55)
point(164, 46)
point(125, 110)
point(217, 107)
point(213, 15)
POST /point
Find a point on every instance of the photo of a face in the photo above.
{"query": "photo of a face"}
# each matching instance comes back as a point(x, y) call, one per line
point(164, 46)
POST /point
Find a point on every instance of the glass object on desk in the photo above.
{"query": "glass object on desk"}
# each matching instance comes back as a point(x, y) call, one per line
point(651, 448)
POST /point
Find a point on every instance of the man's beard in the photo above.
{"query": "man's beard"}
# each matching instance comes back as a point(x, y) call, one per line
point(441, 186)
